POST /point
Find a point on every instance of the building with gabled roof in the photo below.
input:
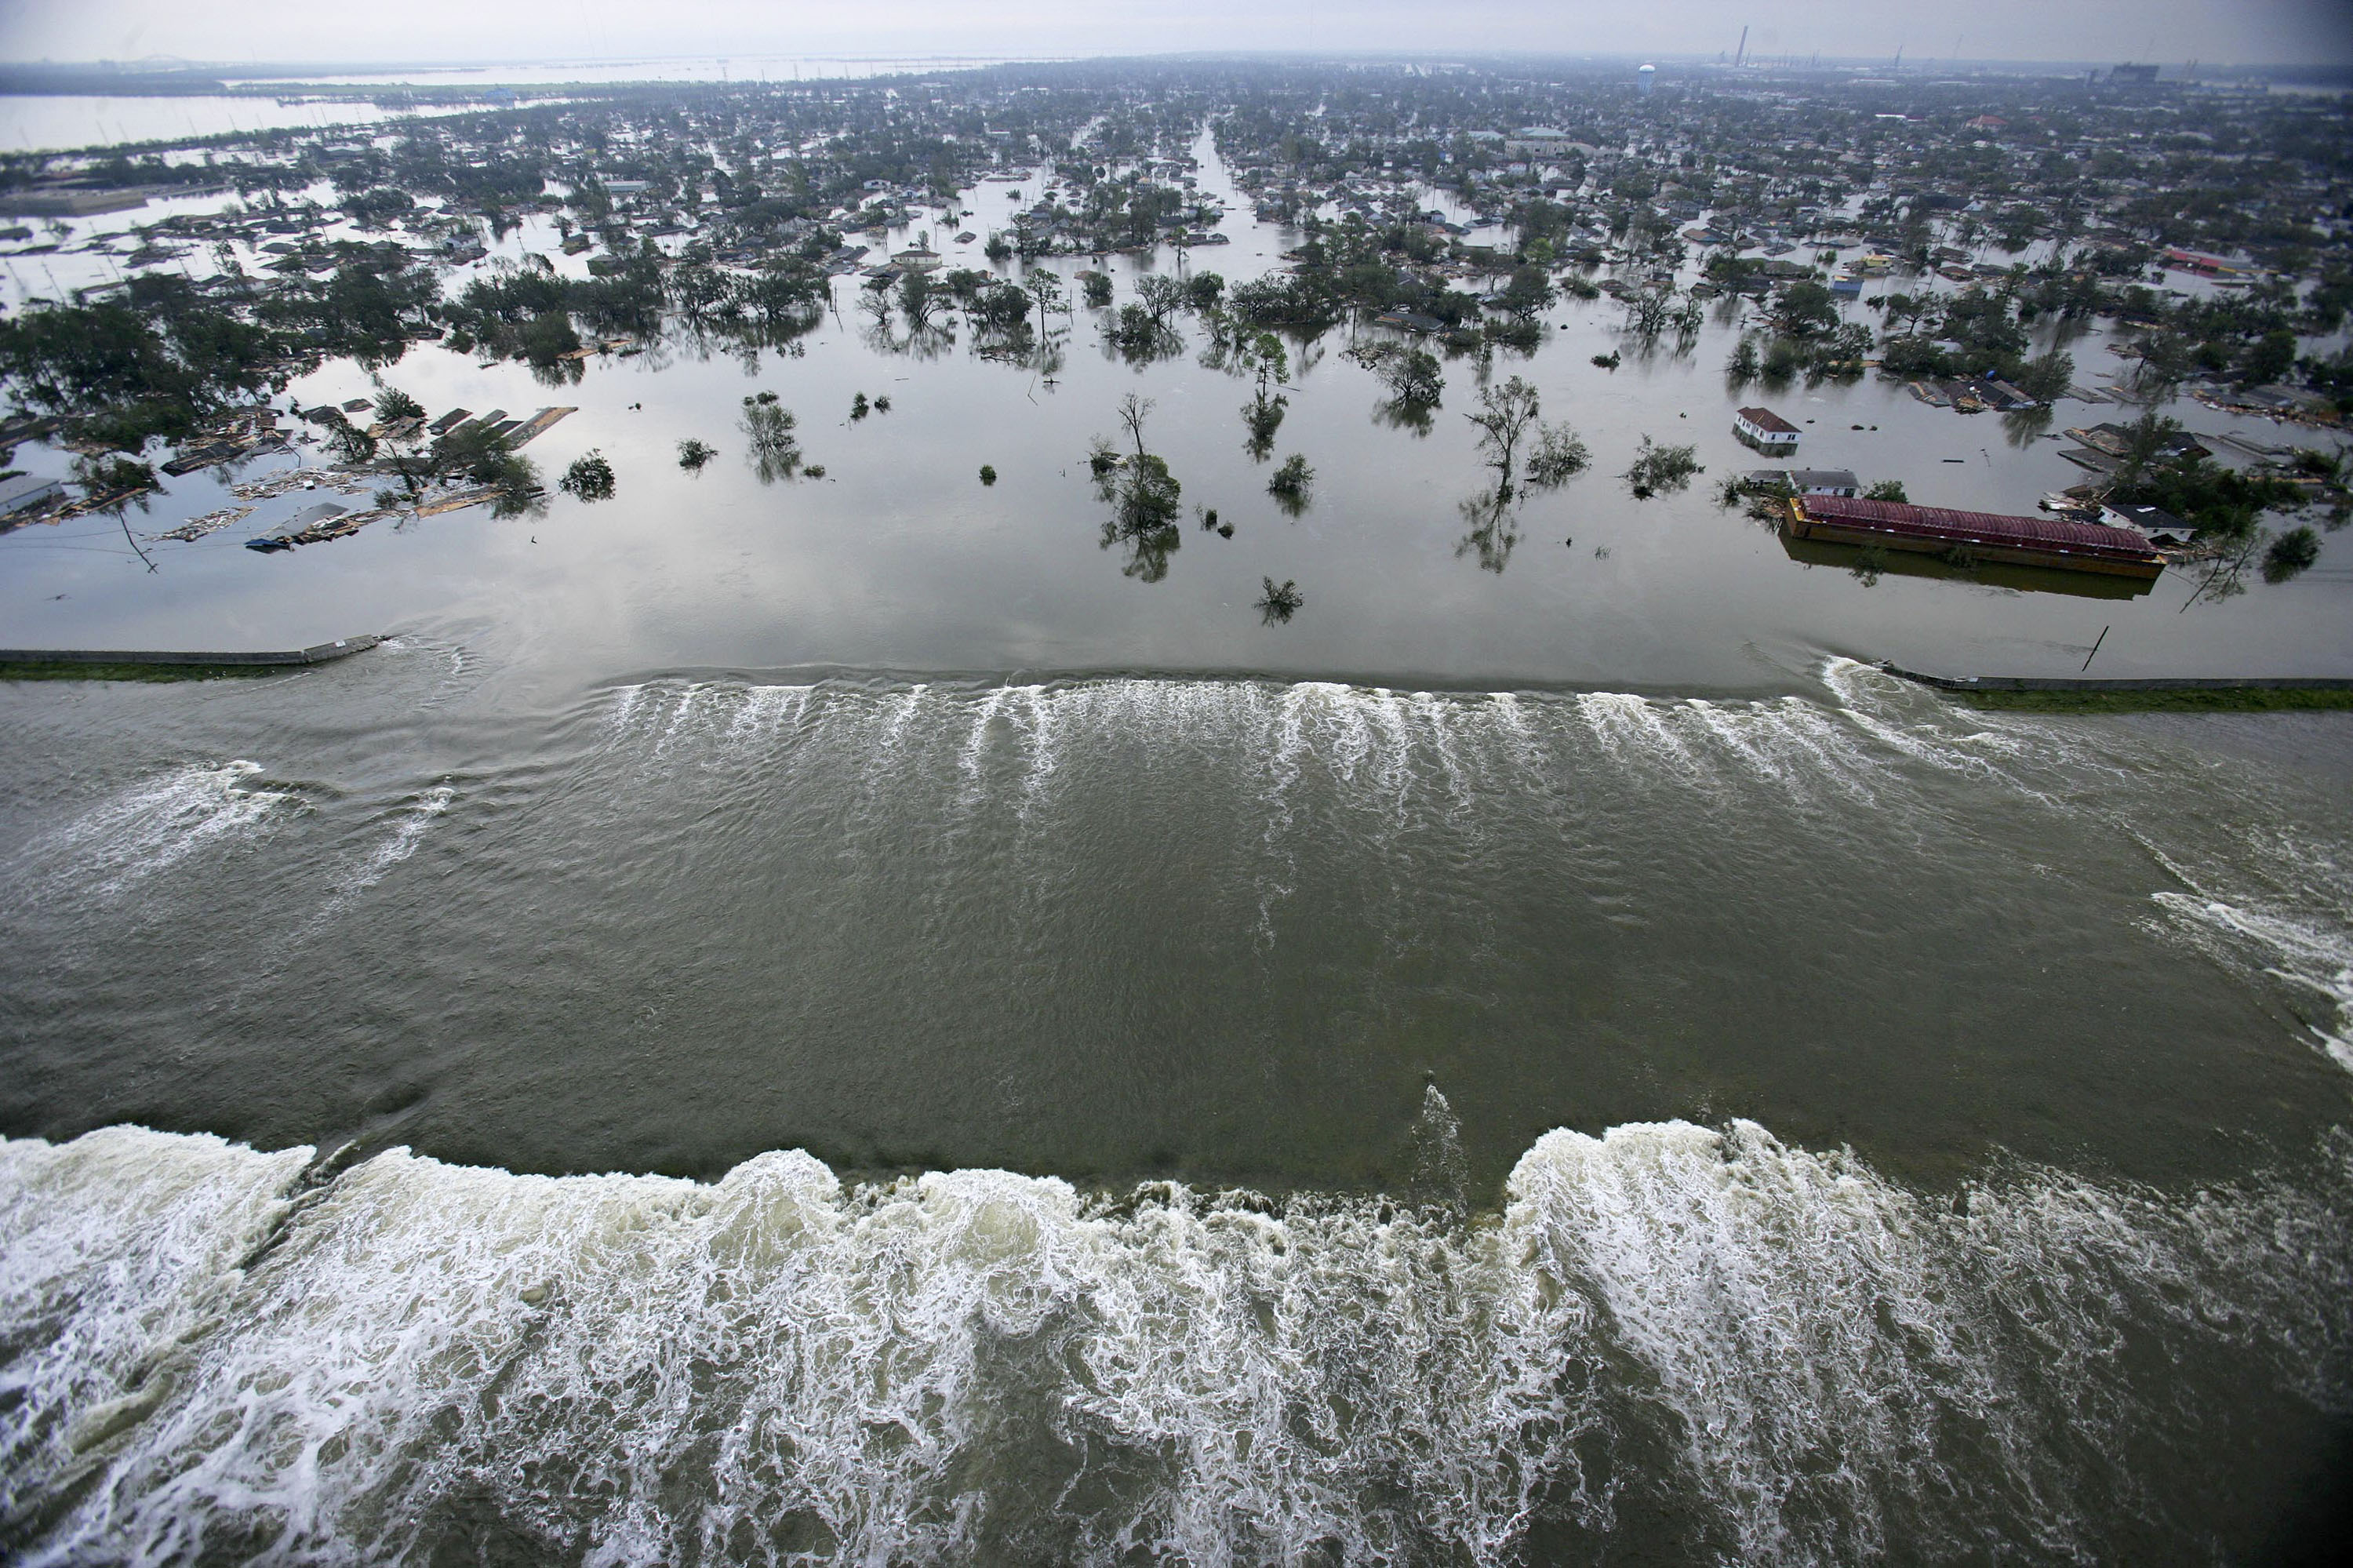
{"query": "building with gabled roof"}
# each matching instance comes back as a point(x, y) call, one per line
point(1765, 430)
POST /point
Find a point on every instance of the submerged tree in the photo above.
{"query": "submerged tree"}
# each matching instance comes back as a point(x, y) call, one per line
point(775, 450)
point(1557, 457)
point(393, 407)
point(1293, 485)
point(1133, 411)
point(2291, 553)
point(1507, 417)
point(1411, 374)
point(1657, 468)
point(1044, 287)
point(111, 476)
point(1140, 336)
point(1650, 311)
point(692, 453)
point(1263, 357)
point(1744, 365)
point(919, 300)
point(590, 477)
point(398, 444)
point(1141, 493)
point(1504, 416)
point(352, 445)
point(1279, 604)
point(1489, 531)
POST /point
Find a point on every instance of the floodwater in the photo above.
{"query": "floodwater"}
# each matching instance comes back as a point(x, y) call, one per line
point(900, 559)
point(831, 1021)
point(41, 122)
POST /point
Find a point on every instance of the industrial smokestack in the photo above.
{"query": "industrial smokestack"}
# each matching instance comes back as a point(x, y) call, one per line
point(1742, 52)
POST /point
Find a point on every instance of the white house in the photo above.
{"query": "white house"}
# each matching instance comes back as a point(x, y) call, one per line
point(1765, 430)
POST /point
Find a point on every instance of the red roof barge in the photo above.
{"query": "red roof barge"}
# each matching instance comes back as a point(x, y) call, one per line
point(1985, 536)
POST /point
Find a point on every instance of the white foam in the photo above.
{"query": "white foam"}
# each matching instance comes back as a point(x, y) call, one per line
point(1630, 726)
point(408, 832)
point(408, 829)
point(1379, 748)
point(765, 711)
point(968, 762)
point(156, 824)
point(973, 1363)
point(118, 1253)
point(2300, 951)
point(1040, 721)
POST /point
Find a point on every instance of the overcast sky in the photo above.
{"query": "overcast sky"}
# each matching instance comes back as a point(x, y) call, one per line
point(2167, 31)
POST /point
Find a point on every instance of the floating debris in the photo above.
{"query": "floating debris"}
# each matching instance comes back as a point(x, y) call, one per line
point(196, 528)
point(458, 500)
point(285, 481)
point(316, 526)
point(538, 425)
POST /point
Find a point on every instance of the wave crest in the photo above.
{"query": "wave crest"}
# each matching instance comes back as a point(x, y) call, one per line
point(1801, 1360)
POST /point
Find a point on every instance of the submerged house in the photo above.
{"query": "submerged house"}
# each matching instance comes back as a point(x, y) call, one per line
point(2154, 524)
point(26, 491)
point(1840, 482)
point(2201, 263)
point(1765, 430)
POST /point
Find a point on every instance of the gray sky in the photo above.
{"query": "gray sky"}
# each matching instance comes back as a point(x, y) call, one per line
point(2167, 31)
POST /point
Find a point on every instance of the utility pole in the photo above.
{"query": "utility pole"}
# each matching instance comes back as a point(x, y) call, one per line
point(2102, 636)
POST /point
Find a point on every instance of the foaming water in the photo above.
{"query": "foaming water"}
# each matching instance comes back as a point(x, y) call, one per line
point(1387, 750)
point(1235, 928)
point(2289, 908)
point(154, 825)
point(407, 831)
point(1702, 1342)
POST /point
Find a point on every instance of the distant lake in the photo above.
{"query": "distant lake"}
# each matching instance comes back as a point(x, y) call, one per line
point(704, 67)
point(59, 123)
point(31, 123)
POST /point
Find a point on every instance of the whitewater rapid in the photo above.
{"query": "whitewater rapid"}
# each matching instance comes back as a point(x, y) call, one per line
point(1692, 1343)
point(218, 1351)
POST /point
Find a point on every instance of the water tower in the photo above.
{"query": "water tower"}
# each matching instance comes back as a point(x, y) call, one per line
point(1646, 79)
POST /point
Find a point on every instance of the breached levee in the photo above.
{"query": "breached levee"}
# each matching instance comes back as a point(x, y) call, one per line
point(1733, 1349)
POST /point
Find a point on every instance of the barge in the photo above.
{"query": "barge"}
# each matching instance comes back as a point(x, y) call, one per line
point(2052, 542)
